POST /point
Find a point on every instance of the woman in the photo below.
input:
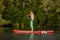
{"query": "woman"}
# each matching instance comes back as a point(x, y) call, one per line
point(32, 19)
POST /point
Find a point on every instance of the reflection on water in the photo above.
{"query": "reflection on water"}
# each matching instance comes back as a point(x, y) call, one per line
point(12, 36)
point(6, 34)
point(31, 37)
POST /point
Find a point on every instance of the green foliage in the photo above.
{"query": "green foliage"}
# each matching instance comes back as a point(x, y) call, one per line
point(12, 13)
point(46, 13)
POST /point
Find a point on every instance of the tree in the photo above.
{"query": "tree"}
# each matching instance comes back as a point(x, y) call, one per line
point(46, 13)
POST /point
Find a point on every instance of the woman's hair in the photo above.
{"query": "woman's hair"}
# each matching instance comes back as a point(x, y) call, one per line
point(31, 11)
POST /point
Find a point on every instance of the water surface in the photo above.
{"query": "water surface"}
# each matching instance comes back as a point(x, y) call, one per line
point(12, 36)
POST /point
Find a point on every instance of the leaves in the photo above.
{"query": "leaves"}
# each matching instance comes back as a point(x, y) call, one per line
point(45, 11)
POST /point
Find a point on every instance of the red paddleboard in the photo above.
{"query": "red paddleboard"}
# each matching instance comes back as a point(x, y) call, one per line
point(34, 32)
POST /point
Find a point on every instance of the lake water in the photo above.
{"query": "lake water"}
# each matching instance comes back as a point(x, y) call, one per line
point(12, 36)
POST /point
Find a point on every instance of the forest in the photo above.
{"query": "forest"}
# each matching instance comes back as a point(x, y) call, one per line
point(13, 14)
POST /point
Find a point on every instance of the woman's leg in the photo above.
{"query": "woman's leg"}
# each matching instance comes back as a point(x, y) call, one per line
point(31, 24)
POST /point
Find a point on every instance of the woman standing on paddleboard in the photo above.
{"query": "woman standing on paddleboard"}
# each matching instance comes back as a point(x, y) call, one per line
point(32, 19)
